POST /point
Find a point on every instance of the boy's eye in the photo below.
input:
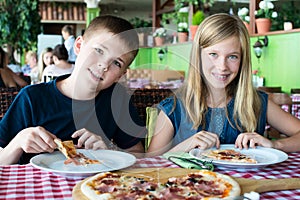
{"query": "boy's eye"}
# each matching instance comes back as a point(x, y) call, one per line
point(99, 50)
point(117, 63)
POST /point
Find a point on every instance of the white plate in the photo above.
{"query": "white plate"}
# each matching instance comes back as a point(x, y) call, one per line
point(109, 161)
point(264, 157)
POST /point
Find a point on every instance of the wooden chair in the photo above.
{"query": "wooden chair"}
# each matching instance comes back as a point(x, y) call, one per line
point(7, 95)
point(284, 101)
point(295, 91)
point(276, 89)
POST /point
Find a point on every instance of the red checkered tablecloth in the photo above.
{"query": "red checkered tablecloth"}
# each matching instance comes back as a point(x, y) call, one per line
point(27, 182)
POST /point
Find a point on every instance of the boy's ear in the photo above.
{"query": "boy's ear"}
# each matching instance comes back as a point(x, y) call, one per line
point(77, 44)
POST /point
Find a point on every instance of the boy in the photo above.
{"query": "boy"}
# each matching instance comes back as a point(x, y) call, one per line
point(88, 104)
point(68, 35)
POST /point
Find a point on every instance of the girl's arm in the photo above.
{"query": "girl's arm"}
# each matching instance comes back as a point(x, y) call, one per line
point(287, 124)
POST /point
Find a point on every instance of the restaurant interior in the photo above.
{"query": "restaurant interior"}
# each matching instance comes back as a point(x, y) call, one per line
point(158, 70)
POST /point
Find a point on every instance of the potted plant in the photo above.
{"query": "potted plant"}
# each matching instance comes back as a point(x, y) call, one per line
point(243, 13)
point(159, 36)
point(264, 16)
point(198, 17)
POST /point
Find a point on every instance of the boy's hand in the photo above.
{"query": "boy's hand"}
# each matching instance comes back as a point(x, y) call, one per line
point(89, 140)
point(35, 140)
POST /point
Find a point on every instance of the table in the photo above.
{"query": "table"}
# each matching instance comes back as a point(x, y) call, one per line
point(27, 182)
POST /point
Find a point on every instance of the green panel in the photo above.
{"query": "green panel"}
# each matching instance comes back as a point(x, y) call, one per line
point(91, 13)
point(280, 61)
point(143, 60)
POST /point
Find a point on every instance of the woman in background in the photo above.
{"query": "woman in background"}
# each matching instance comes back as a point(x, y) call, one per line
point(45, 59)
point(7, 77)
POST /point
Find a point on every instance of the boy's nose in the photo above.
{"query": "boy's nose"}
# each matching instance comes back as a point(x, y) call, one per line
point(103, 67)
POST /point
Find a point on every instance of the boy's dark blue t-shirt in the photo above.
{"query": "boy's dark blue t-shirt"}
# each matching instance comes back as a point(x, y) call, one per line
point(110, 114)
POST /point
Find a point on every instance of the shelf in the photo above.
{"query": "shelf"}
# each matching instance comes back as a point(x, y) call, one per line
point(63, 22)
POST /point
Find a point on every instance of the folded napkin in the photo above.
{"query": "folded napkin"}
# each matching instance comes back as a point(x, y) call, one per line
point(184, 160)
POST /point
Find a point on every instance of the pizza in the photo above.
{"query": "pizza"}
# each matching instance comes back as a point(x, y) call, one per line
point(202, 184)
point(68, 149)
point(229, 155)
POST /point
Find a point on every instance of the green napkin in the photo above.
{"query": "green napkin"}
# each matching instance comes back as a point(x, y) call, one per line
point(184, 160)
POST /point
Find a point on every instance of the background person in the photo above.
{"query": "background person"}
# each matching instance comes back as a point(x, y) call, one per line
point(60, 65)
point(45, 59)
point(218, 103)
point(68, 35)
point(7, 77)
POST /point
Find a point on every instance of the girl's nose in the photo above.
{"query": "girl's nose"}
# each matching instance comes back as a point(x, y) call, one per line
point(221, 63)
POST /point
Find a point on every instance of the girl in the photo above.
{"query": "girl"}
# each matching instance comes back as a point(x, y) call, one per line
point(218, 103)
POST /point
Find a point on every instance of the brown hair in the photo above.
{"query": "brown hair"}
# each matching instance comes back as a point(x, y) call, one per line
point(60, 52)
point(68, 29)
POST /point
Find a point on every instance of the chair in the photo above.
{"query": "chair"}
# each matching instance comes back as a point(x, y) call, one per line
point(285, 101)
point(295, 95)
point(276, 89)
point(7, 95)
point(295, 91)
point(143, 98)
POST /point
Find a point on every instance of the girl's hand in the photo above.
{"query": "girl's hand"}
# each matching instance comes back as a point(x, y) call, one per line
point(89, 140)
point(35, 140)
point(246, 140)
point(202, 140)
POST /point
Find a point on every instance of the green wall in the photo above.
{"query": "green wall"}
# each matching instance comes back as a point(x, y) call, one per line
point(280, 61)
point(279, 64)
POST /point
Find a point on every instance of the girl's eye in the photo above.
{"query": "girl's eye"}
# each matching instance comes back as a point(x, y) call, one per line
point(233, 57)
point(213, 54)
point(99, 50)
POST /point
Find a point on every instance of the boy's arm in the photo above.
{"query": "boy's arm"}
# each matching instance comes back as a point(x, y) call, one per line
point(29, 140)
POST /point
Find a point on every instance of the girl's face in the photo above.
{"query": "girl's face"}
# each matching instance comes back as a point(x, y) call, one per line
point(48, 58)
point(102, 60)
point(221, 62)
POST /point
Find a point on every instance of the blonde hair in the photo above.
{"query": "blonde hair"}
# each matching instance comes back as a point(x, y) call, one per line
point(41, 63)
point(29, 55)
point(212, 30)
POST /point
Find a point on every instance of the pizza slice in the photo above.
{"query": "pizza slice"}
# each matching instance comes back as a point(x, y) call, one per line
point(69, 151)
point(229, 155)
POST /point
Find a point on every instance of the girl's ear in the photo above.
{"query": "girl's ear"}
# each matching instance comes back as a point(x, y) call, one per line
point(77, 44)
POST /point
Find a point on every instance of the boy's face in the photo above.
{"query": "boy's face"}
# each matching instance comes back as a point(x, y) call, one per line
point(101, 60)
